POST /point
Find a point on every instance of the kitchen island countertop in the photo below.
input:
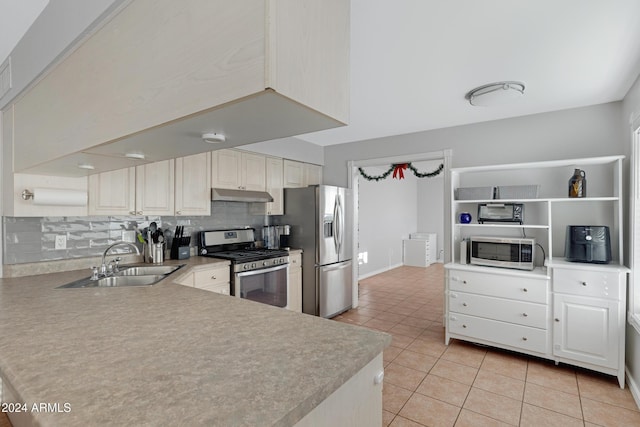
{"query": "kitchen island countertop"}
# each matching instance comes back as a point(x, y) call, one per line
point(169, 354)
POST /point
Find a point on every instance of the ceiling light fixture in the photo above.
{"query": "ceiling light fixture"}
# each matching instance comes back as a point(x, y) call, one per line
point(213, 138)
point(134, 155)
point(86, 166)
point(495, 94)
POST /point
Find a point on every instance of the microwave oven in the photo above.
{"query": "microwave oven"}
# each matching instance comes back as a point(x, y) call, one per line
point(503, 252)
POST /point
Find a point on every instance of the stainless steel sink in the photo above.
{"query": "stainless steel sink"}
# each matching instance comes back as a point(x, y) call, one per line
point(148, 270)
point(129, 280)
point(129, 276)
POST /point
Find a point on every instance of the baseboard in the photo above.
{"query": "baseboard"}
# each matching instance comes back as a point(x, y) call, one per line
point(633, 387)
point(381, 270)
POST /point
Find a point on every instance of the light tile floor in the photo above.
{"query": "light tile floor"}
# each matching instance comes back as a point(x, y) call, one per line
point(427, 383)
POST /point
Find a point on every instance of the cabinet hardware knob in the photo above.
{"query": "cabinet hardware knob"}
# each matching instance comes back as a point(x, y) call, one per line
point(584, 283)
point(464, 281)
point(464, 326)
point(139, 212)
point(525, 290)
point(132, 212)
point(524, 338)
point(525, 315)
point(213, 277)
point(556, 319)
point(464, 304)
point(178, 212)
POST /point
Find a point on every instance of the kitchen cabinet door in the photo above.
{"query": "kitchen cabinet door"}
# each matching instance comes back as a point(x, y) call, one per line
point(274, 180)
point(225, 169)
point(586, 330)
point(155, 188)
point(293, 174)
point(113, 193)
point(238, 170)
point(253, 172)
point(312, 174)
point(193, 190)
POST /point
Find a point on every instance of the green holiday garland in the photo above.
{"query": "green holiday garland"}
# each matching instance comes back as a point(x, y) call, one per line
point(398, 169)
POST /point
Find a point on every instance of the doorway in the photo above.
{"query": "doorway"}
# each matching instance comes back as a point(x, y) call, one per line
point(385, 215)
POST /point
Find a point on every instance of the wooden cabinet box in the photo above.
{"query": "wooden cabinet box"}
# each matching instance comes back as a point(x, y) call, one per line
point(161, 73)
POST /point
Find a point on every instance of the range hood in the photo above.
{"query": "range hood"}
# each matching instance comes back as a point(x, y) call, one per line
point(226, 195)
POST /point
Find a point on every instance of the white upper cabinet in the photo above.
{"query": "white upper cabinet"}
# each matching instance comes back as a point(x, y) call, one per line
point(155, 188)
point(312, 174)
point(193, 192)
point(253, 172)
point(238, 170)
point(113, 192)
point(225, 171)
point(143, 190)
point(161, 73)
point(298, 174)
point(293, 174)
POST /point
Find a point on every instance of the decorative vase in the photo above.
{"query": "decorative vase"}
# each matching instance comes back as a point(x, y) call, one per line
point(578, 184)
point(465, 218)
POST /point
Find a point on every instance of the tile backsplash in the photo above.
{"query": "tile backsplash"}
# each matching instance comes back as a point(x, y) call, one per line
point(32, 239)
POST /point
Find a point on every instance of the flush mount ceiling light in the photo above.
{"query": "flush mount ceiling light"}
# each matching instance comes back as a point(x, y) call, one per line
point(213, 138)
point(86, 166)
point(494, 94)
point(135, 155)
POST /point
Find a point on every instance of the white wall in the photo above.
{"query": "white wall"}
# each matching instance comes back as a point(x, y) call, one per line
point(430, 196)
point(580, 132)
point(388, 212)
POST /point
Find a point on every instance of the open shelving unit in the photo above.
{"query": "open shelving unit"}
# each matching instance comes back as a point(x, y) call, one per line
point(547, 216)
point(568, 312)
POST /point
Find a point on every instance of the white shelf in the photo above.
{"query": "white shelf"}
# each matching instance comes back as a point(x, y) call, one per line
point(499, 225)
point(543, 200)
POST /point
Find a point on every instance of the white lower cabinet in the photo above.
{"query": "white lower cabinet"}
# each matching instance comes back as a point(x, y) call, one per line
point(585, 329)
point(576, 316)
point(589, 316)
point(214, 278)
point(294, 302)
point(501, 308)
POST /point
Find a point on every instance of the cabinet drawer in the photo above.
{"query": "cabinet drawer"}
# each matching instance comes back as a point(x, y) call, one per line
point(515, 336)
point(519, 312)
point(499, 285)
point(221, 288)
point(601, 284)
point(211, 277)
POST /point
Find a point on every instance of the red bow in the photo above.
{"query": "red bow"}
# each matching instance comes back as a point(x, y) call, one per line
point(398, 170)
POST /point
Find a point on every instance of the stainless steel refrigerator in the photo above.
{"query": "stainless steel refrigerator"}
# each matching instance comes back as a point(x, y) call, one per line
point(321, 224)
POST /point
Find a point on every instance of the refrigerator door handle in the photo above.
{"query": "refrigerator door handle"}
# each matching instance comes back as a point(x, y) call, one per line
point(335, 226)
point(340, 224)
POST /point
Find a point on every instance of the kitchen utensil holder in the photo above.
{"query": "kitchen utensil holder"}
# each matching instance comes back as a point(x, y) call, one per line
point(154, 253)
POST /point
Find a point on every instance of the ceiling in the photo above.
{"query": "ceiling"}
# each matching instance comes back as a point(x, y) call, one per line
point(414, 60)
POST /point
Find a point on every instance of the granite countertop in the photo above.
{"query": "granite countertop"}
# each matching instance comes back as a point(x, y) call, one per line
point(169, 354)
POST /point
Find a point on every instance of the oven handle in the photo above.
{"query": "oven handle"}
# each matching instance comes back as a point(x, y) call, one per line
point(262, 270)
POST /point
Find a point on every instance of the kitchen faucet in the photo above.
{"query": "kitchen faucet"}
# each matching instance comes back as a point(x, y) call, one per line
point(103, 266)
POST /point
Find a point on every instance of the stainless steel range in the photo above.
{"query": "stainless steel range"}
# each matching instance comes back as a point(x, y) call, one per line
point(257, 274)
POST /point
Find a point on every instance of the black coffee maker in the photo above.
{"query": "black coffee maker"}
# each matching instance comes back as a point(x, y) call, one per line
point(588, 243)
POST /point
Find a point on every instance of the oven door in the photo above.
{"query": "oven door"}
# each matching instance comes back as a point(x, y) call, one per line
point(266, 285)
